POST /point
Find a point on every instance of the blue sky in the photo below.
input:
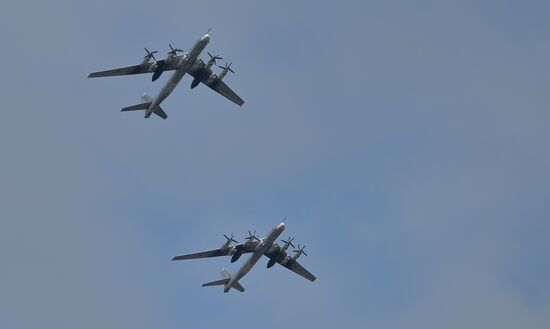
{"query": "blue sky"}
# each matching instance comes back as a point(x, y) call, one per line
point(406, 143)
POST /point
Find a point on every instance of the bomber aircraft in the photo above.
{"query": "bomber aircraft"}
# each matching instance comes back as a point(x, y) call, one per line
point(258, 247)
point(186, 63)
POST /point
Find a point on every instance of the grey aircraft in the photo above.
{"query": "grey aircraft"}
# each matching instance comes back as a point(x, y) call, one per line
point(186, 63)
point(258, 247)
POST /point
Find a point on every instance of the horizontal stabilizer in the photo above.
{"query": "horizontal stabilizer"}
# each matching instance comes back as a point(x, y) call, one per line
point(137, 107)
point(226, 275)
point(238, 286)
point(145, 106)
point(220, 282)
point(203, 254)
point(158, 111)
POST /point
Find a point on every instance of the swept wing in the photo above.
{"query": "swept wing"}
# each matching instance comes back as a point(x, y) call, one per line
point(246, 248)
point(295, 267)
point(136, 69)
point(218, 86)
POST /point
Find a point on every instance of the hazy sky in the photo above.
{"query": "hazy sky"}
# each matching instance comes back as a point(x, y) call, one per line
point(405, 141)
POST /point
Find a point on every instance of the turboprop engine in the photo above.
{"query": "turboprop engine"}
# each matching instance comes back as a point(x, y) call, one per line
point(150, 55)
point(225, 69)
point(227, 244)
point(205, 71)
point(281, 252)
point(298, 252)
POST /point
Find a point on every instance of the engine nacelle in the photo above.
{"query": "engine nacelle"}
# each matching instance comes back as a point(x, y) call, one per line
point(236, 255)
point(182, 60)
point(222, 74)
point(296, 256)
point(208, 65)
point(212, 79)
point(259, 246)
point(271, 263)
point(196, 81)
point(285, 247)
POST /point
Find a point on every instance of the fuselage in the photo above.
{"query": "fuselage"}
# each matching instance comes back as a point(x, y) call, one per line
point(186, 63)
point(261, 248)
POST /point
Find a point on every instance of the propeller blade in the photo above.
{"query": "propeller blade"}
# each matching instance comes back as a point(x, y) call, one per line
point(213, 58)
point(289, 242)
point(174, 50)
point(252, 236)
point(231, 238)
point(150, 54)
point(227, 67)
point(300, 250)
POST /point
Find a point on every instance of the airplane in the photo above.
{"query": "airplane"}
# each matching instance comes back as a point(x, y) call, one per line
point(181, 64)
point(258, 247)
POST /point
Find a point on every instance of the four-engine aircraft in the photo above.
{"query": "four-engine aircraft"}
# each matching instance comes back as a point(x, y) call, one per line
point(202, 72)
point(181, 64)
point(258, 247)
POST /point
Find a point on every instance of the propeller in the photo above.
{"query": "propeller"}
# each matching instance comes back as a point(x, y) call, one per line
point(300, 250)
point(289, 242)
point(173, 50)
point(230, 238)
point(150, 54)
point(227, 67)
point(213, 58)
point(252, 236)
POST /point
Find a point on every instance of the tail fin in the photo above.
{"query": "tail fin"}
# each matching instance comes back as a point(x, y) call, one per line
point(146, 98)
point(225, 273)
point(145, 106)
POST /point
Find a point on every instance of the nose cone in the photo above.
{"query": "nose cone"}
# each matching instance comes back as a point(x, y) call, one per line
point(205, 38)
point(281, 227)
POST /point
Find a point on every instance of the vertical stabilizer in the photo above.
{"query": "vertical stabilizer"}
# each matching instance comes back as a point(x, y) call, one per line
point(225, 273)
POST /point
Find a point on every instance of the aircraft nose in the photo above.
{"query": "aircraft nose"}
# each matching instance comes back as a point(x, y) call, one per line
point(205, 38)
point(281, 226)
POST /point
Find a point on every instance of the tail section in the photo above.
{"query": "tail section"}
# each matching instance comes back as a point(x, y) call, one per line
point(217, 282)
point(137, 107)
point(145, 106)
point(226, 278)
